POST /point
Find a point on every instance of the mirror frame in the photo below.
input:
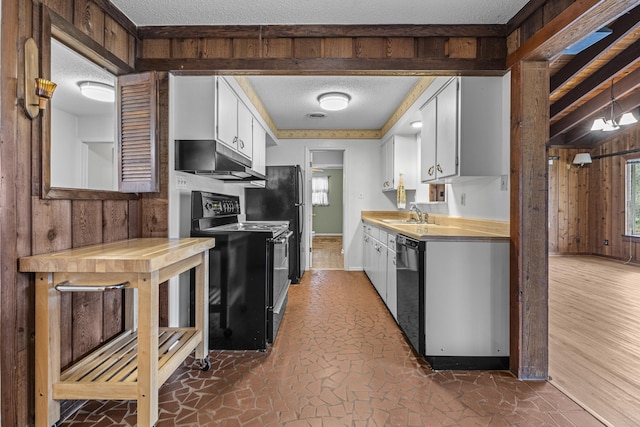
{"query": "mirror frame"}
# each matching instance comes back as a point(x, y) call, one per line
point(57, 27)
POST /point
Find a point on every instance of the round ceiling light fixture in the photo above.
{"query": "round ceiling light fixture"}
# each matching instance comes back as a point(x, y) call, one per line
point(416, 125)
point(334, 101)
point(98, 91)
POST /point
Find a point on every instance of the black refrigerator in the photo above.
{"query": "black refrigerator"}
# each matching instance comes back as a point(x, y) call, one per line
point(282, 199)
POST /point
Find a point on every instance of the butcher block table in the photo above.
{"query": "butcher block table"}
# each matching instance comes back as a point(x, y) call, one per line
point(133, 365)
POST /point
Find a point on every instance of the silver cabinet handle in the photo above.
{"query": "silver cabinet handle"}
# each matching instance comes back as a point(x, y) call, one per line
point(430, 171)
point(68, 287)
point(439, 168)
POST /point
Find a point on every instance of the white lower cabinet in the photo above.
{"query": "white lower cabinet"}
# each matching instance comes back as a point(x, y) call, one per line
point(466, 299)
point(379, 263)
point(391, 300)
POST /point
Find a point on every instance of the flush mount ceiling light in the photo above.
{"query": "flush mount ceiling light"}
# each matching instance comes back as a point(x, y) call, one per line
point(334, 101)
point(98, 91)
point(417, 124)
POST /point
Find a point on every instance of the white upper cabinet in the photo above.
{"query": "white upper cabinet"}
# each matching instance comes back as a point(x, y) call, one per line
point(259, 161)
point(398, 156)
point(226, 115)
point(462, 130)
point(193, 108)
point(245, 130)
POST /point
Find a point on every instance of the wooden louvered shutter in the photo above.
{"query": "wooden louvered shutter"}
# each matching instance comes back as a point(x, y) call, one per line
point(137, 144)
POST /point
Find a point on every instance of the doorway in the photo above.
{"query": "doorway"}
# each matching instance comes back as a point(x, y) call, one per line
point(327, 209)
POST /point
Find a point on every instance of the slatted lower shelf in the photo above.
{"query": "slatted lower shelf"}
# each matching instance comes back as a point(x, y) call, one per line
point(111, 372)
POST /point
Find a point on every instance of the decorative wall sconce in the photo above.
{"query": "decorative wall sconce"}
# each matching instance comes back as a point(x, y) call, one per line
point(580, 160)
point(37, 91)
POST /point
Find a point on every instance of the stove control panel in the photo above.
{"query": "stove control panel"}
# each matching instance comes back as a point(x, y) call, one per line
point(209, 205)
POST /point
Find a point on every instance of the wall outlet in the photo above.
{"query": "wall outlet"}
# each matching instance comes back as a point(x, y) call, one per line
point(463, 199)
point(181, 183)
point(360, 195)
point(504, 183)
point(606, 243)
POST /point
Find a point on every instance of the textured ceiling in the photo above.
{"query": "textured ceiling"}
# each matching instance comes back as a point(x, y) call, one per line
point(67, 70)
point(290, 99)
point(244, 12)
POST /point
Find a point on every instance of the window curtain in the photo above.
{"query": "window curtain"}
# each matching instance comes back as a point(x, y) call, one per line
point(320, 191)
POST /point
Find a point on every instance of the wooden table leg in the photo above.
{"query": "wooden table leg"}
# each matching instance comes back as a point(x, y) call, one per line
point(47, 357)
point(202, 305)
point(148, 287)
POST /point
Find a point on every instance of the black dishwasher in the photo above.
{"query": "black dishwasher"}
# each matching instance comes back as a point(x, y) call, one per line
point(410, 290)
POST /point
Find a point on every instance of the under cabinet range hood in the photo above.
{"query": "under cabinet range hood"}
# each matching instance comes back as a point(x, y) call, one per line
point(211, 158)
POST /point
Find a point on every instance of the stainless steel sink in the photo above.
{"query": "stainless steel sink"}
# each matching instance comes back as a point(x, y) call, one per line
point(402, 221)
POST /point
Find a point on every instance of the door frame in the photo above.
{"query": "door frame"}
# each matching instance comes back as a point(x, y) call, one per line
point(309, 212)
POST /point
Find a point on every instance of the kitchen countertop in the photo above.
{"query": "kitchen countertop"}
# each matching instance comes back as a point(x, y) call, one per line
point(443, 228)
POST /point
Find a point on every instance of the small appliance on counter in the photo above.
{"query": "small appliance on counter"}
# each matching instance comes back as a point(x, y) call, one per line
point(282, 199)
point(248, 272)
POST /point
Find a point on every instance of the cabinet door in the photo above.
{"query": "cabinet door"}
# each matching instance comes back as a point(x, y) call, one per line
point(447, 131)
point(428, 142)
point(227, 115)
point(366, 255)
point(193, 107)
point(392, 298)
point(245, 130)
point(380, 268)
point(259, 160)
point(386, 158)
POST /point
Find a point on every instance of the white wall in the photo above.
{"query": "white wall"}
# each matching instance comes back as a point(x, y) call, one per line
point(69, 154)
point(362, 189)
point(65, 150)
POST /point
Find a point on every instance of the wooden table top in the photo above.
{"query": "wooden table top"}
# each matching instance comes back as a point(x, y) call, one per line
point(143, 255)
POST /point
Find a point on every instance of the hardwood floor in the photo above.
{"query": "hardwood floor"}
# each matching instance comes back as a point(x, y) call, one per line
point(327, 253)
point(594, 335)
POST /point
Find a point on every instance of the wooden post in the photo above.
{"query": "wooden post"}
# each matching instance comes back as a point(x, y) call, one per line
point(47, 350)
point(529, 206)
point(148, 290)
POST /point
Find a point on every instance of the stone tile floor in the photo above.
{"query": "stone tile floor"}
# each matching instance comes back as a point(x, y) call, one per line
point(340, 360)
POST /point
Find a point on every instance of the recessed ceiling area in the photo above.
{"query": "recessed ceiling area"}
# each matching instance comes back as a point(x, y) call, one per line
point(299, 12)
point(291, 99)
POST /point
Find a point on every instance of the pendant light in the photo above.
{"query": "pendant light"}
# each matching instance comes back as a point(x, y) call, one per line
point(610, 125)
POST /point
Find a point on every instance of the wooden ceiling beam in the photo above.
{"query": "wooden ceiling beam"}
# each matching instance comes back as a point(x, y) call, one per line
point(301, 31)
point(620, 29)
point(622, 88)
point(574, 23)
point(327, 66)
point(519, 18)
point(607, 72)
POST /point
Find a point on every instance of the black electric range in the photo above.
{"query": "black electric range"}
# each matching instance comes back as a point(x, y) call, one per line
point(248, 272)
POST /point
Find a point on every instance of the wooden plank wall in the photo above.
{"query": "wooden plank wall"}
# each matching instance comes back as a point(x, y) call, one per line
point(30, 225)
point(531, 19)
point(324, 49)
point(587, 205)
point(607, 207)
point(569, 195)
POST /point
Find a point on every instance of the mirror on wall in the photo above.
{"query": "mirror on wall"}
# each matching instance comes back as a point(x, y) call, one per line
point(83, 128)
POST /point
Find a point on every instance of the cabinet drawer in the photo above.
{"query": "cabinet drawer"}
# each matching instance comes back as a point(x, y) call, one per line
point(391, 241)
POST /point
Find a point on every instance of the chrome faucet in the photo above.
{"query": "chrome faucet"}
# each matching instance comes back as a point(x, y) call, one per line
point(422, 216)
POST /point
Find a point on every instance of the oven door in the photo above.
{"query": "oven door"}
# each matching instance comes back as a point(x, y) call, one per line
point(278, 282)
